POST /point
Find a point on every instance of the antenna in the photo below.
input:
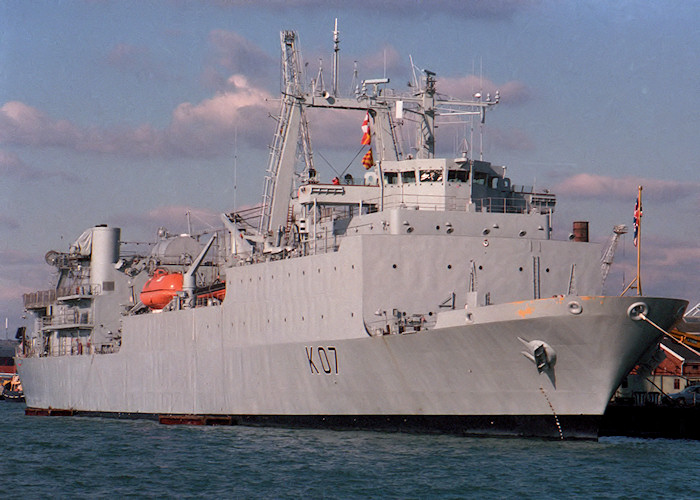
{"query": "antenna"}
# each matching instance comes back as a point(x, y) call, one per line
point(235, 165)
point(481, 125)
point(413, 69)
point(336, 57)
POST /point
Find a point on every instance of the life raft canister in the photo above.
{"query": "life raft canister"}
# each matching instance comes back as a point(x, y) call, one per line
point(161, 288)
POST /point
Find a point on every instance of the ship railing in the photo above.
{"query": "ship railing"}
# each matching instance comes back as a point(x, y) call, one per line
point(79, 291)
point(69, 317)
point(501, 205)
point(507, 204)
point(520, 201)
point(41, 298)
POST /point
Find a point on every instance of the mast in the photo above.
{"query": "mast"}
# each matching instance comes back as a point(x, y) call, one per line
point(292, 129)
point(427, 129)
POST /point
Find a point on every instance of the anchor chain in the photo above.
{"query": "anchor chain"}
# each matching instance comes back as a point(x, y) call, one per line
point(556, 418)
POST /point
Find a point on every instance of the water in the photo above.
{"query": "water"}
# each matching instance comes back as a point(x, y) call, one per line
point(76, 457)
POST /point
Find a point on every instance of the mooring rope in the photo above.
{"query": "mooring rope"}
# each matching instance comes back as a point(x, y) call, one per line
point(644, 317)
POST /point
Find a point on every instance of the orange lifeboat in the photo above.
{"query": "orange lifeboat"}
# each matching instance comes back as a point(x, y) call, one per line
point(161, 288)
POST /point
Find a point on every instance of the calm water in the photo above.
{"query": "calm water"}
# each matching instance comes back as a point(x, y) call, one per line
point(97, 458)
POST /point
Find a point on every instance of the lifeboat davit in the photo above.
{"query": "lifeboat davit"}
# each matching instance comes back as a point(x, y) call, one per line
point(161, 288)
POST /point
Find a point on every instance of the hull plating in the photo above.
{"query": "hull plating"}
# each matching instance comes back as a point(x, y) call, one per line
point(468, 378)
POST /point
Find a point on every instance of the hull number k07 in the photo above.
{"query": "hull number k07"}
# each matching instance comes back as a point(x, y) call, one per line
point(322, 359)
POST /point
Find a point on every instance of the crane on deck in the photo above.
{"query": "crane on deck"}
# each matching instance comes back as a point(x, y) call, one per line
point(606, 259)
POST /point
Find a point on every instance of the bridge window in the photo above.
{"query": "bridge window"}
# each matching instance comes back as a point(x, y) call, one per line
point(408, 177)
point(391, 177)
point(458, 176)
point(431, 175)
point(480, 178)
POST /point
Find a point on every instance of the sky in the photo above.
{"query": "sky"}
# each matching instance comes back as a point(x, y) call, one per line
point(133, 113)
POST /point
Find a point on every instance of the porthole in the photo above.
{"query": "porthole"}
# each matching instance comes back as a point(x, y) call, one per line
point(575, 307)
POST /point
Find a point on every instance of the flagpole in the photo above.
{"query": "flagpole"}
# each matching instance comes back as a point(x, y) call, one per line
point(639, 243)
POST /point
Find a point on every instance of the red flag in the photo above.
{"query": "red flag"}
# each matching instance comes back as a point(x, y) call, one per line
point(637, 220)
point(368, 160)
point(366, 137)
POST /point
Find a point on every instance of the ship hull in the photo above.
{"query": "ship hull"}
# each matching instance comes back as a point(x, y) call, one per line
point(470, 377)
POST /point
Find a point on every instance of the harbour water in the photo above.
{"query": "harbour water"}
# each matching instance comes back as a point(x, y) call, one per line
point(75, 457)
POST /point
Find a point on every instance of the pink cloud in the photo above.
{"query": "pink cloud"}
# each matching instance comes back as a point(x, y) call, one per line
point(237, 54)
point(669, 268)
point(11, 165)
point(205, 129)
point(606, 188)
point(232, 53)
point(23, 124)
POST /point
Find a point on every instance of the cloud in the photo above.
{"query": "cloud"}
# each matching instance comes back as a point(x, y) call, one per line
point(209, 128)
point(11, 166)
point(235, 54)
point(25, 125)
point(601, 187)
point(669, 268)
point(205, 129)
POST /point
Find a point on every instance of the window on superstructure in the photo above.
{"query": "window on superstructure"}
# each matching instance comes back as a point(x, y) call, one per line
point(458, 176)
point(480, 178)
point(391, 177)
point(493, 182)
point(408, 177)
point(431, 175)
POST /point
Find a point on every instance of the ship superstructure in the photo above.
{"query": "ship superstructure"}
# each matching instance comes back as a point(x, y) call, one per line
point(426, 295)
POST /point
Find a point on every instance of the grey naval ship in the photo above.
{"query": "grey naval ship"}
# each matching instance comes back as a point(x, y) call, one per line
point(427, 296)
